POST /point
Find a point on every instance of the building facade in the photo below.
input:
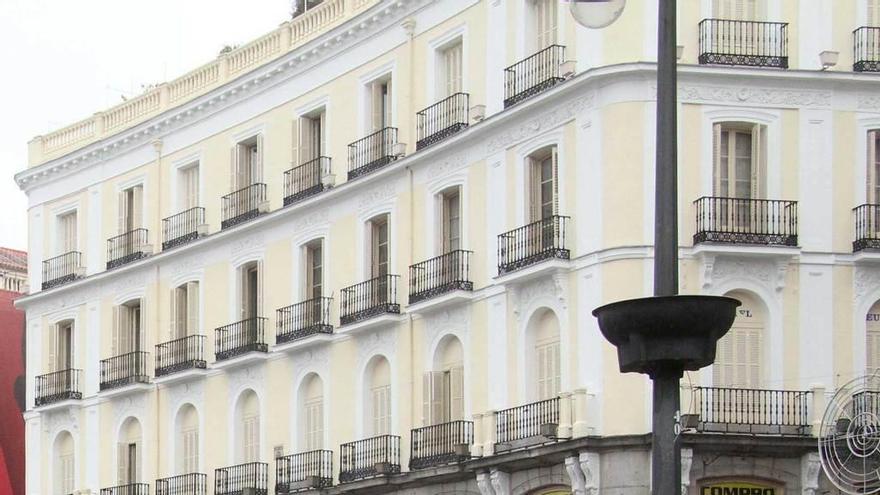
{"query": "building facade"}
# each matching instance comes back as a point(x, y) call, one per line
point(360, 253)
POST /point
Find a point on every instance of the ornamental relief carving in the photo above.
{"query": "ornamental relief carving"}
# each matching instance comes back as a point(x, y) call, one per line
point(318, 218)
point(754, 96)
point(189, 392)
point(454, 320)
point(376, 195)
point(64, 419)
point(380, 341)
point(554, 286)
point(549, 120)
point(130, 406)
point(865, 282)
point(248, 377)
point(769, 272)
point(866, 102)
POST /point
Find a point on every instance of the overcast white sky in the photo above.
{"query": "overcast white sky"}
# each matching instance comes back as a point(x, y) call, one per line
point(63, 60)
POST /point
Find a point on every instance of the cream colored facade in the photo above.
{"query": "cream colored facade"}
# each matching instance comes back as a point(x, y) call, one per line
point(345, 68)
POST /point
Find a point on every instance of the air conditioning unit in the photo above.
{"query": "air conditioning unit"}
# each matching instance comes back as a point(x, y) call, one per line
point(328, 180)
point(550, 430)
point(263, 207)
point(567, 69)
point(399, 150)
point(202, 229)
point(478, 112)
point(828, 58)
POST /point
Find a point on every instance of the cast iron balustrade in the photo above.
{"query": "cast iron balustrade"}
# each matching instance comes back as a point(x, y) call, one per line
point(532, 243)
point(372, 152)
point(62, 269)
point(57, 386)
point(445, 273)
point(182, 228)
point(746, 221)
point(441, 444)
point(866, 49)
point(753, 43)
point(125, 369)
point(741, 410)
point(180, 354)
point(130, 489)
point(301, 320)
point(243, 205)
point(184, 484)
point(127, 247)
point(305, 180)
point(244, 479)
point(369, 457)
point(304, 471)
point(442, 119)
point(535, 420)
point(365, 300)
point(530, 76)
point(867, 227)
point(240, 338)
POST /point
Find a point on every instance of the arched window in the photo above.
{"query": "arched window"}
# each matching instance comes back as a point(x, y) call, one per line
point(247, 427)
point(739, 354)
point(544, 373)
point(378, 399)
point(311, 413)
point(443, 388)
point(129, 453)
point(872, 345)
point(187, 438)
point(64, 464)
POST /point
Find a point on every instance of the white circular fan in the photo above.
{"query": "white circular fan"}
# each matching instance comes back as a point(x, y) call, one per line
point(849, 442)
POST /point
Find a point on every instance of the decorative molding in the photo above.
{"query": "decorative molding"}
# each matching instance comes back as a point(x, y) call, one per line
point(318, 218)
point(810, 468)
point(484, 484)
point(687, 459)
point(754, 96)
point(769, 272)
point(591, 469)
point(247, 245)
point(575, 475)
point(64, 419)
point(865, 282)
point(375, 196)
point(188, 392)
point(453, 320)
point(549, 120)
point(500, 482)
point(555, 286)
point(868, 102)
point(129, 406)
point(380, 341)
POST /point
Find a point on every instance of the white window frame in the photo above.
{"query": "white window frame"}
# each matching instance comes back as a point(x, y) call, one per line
point(434, 212)
point(521, 173)
point(321, 104)
point(59, 212)
point(385, 71)
point(128, 184)
point(178, 166)
point(434, 56)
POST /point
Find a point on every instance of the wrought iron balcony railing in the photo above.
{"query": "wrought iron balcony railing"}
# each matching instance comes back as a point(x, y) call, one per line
point(368, 299)
point(305, 180)
point(532, 243)
point(184, 484)
point(244, 479)
point(240, 338)
point(301, 320)
point(530, 76)
point(125, 248)
point(56, 387)
point(741, 410)
point(125, 369)
point(867, 227)
point(62, 269)
point(180, 354)
point(439, 275)
point(866, 49)
point(372, 152)
point(243, 205)
point(130, 489)
point(535, 420)
point(752, 43)
point(442, 119)
point(445, 443)
point(304, 471)
point(182, 228)
point(746, 221)
point(369, 457)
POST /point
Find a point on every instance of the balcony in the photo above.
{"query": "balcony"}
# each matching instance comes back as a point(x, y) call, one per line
point(62, 269)
point(440, 275)
point(372, 152)
point(751, 43)
point(866, 49)
point(185, 484)
point(304, 471)
point(365, 300)
point(56, 387)
point(532, 75)
point(240, 338)
point(128, 247)
point(186, 353)
point(125, 369)
point(526, 425)
point(244, 479)
point(370, 457)
point(766, 222)
point(442, 119)
point(183, 227)
point(441, 444)
point(532, 243)
point(303, 320)
point(752, 411)
point(306, 180)
point(867, 227)
point(130, 489)
point(244, 205)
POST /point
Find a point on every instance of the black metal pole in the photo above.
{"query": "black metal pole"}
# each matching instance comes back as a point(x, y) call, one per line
point(665, 448)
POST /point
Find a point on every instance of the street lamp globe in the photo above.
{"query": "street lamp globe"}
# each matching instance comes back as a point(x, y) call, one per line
point(596, 14)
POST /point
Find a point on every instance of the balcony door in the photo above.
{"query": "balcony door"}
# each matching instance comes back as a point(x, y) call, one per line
point(131, 210)
point(443, 390)
point(129, 452)
point(739, 155)
point(449, 76)
point(188, 187)
point(66, 234)
point(248, 428)
point(873, 168)
point(185, 310)
point(247, 163)
point(545, 19)
point(738, 358)
point(127, 335)
point(379, 397)
point(251, 291)
point(64, 346)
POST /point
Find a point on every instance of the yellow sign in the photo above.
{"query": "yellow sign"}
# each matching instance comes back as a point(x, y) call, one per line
point(737, 488)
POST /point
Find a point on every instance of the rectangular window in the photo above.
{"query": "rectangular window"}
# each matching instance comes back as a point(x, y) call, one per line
point(543, 185)
point(451, 222)
point(314, 410)
point(64, 352)
point(252, 439)
point(127, 336)
point(381, 410)
point(188, 187)
point(314, 270)
point(545, 23)
point(549, 371)
point(379, 246)
point(247, 163)
point(873, 168)
point(379, 92)
point(250, 291)
point(131, 209)
point(739, 160)
point(450, 70)
point(737, 10)
point(67, 230)
point(873, 11)
point(185, 310)
point(311, 141)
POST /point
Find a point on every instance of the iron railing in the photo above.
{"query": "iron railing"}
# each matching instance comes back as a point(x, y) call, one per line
point(441, 444)
point(57, 386)
point(369, 457)
point(538, 419)
point(866, 49)
point(184, 484)
point(130, 489)
point(243, 479)
point(125, 369)
point(182, 228)
point(368, 299)
point(439, 275)
point(303, 471)
point(746, 221)
point(532, 75)
point(127, 247)
point(243, 205)
point(180, 354)
point(240, 338)
point(742, 410)
point(61, 269)
point(301, 320)
point(442, 119)
point(532, 243)
point(753, 43)
point(867, 227)
point(372, 152)
point(305, 180)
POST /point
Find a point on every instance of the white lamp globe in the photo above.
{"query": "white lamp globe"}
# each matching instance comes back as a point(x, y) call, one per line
point(596, 14)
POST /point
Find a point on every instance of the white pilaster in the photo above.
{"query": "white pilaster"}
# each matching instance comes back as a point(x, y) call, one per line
point(496, 55)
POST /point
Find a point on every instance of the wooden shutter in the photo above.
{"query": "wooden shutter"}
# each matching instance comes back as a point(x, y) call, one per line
point(456, 393)
point(192, 308)
point(376, 103)
point(871, 169)
point(191, 451)
point(122, 213)
point(534, 189)
point(234, 169)
point(306, 140)
point(138, 461)
point(252, 439)
point(387, 104)
point(68, 473)
point(137, 200)
point(51, 340)
point(175, 309)
point(322, 130)
point(554, 156)
point(873, 11)
point(257, 162)
point(122, 334)
point(314, 424)
point(872, 347)
point(716, 161)
point(259, 309)
point(295, 140)
point(122, 463)
point(758, 157)
point(381, 410)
